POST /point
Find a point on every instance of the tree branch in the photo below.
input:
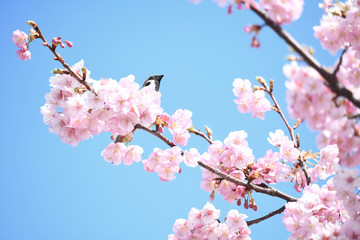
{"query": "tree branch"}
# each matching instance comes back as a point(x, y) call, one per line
point(280, 210)
point(280, 112)
point(331, 79)
point(262, 188)
point(340, 62)
point(61, 60)
point(291, 129)
point(201, 134)
point(155, 133)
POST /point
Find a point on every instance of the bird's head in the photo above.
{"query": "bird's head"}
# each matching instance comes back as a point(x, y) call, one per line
point(154, 79)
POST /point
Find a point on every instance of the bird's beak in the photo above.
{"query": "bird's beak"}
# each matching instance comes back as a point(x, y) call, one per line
point(159, 77)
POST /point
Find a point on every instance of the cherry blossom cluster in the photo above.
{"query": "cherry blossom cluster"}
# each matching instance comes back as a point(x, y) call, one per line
point(178, 125)
point(340, 27)
point(75, 114)
point(311, 101)
point(116, 153)
point(166, 163)
point(329, 212)
point(279, 11)
point(318, 214)
point(235, 158)
point(249, 101)
point(204, 224)
point(21, 41)
point(345, 182)
point(231, 157)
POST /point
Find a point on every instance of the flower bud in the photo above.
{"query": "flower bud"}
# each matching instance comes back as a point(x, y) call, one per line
point(208, 132)
point(32, 23)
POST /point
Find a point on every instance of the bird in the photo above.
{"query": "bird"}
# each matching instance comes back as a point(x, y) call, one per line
point(152, 80)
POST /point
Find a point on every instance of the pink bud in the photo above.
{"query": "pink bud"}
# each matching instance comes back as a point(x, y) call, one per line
point(113, 137)
point(247, 29)
point(246, 204)
point(255, 42)
point(255, 208)
point(212, 195)
point(69, 44)
point(230, 9)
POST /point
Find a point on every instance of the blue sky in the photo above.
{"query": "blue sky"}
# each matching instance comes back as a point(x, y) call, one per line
point(51, 190)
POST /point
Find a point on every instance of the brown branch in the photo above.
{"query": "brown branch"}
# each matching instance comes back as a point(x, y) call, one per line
point(61, 60)
point(280, 112)
point(331, 79)
point(291, 129)
point(280, 210)
point(262, 188)
point(340, 62)
point(155, 133)
point(201, 134)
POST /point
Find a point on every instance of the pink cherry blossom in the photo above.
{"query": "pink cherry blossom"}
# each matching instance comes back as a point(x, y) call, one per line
point(235, 220)
point(19, 38)
point(191, 157)
point(313, 214)
point(288, 152)
point(23, 53)
point(132, 154)
point(205, 224)
point(278, 138)
point(283, 11)
point(180, 121)
point(209, 213)
point(114, 153)
point(248, 101)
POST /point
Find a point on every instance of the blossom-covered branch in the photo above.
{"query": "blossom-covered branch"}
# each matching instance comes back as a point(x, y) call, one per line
point(155, 133)
point(332, 81)
point(59, 58)
point(263, 188)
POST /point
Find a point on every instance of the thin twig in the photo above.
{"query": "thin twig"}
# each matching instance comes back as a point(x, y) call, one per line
point(340, 62)
point(155, 133)
point(62, 61)
point(332, 81)
point(278, 110)
point(280, 210)
point(262, 188)
point(291, 131)
point(201, 134)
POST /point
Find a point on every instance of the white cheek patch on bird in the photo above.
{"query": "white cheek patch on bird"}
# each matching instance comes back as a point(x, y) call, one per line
point(150, 83)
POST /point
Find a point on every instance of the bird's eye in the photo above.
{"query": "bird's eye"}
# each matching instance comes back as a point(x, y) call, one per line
point(147, 84)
